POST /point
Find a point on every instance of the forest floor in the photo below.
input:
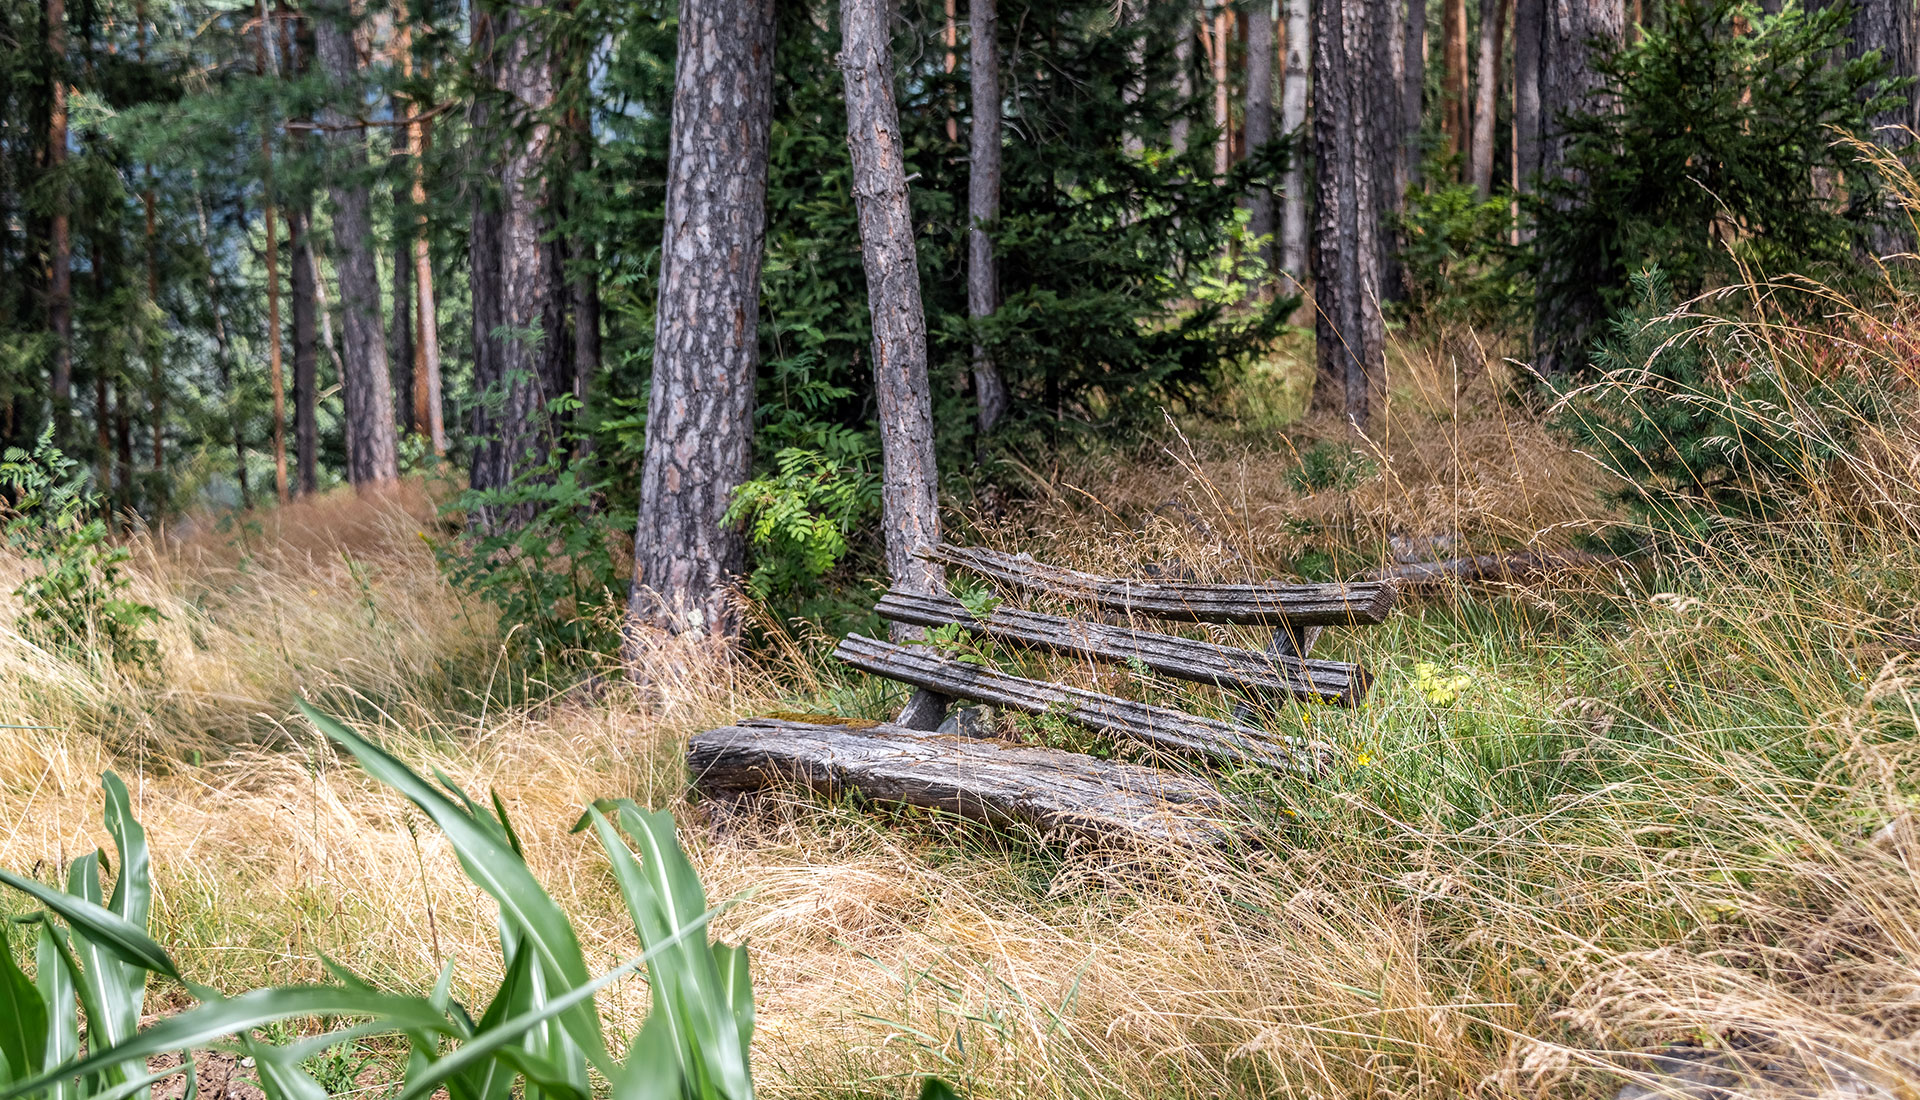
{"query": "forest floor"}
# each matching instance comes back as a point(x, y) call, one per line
point(1617, 810)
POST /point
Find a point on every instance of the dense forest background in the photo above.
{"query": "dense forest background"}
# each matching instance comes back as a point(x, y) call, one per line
point(252, 251)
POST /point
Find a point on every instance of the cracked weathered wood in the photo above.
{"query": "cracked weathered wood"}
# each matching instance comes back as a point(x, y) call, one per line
point(1274, 673)
point(1245, 604)
point(1054, 792)
point(1160, 727)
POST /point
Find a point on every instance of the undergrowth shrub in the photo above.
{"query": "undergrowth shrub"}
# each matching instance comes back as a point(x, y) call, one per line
point(76, 601)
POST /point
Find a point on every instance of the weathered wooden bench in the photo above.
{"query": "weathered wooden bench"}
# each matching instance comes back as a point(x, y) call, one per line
point(1054, 791)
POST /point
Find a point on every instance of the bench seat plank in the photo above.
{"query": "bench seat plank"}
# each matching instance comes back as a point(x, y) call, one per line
point(1296, 605)
point(1049, 790)
point(1161, 727)
point(1185, 658)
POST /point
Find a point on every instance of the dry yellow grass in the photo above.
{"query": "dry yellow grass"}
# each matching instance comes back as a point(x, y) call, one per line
point(1488, 900)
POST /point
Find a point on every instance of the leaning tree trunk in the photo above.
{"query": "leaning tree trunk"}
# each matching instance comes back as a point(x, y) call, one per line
point(910, 481)
point(983, 206)
point(1259, 118)
point(373, 460)
point(1349, 241)
point(1293, 120)
point(700, 413)
point(1565, 322)
point(1493, 22)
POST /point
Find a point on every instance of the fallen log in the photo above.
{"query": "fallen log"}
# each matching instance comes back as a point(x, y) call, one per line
point(1056, 793)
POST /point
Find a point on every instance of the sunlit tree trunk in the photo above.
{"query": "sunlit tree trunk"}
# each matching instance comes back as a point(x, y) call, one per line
point(910, 503)
point(706, 335)
point(1293, 121)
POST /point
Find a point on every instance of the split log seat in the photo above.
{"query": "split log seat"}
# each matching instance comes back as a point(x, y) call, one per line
point(1049, 789)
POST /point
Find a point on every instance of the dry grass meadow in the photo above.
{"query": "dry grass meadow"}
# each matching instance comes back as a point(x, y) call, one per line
point(1670, 806)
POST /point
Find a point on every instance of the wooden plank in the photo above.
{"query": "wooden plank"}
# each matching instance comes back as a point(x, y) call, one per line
point(1203, 662)
point(1161, 727)
point(1358, 604)
point(1057, 793)
point(1522, 566)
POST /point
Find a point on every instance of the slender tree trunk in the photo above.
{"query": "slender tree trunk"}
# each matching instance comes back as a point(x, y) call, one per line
point(483, 260)
point(373, 461)
point(428, 405)
point(953, 62)
point(585, 305)
point(911, 504)
point(1413, 80)
point(223, 357)
point(1568, 85)
point(305, 353)
point(60, 278)
point(699, 443)
point(1453, 78)
point(1293, 121)
point(1486, 100)
point(1261, 46)
point(401, 330)
point(1182, 126)
point(1527, 18)
point(983, 205)
point(1219, 42)
point(265, 63)
point(1348, 238)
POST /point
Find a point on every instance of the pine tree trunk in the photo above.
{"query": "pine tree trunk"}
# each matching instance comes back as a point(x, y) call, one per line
point(60, 265)
point(1293, 121)
point(585, 305)
point(1453, 78)
point(983, 205)
point(428, 403)
point(1348, 239)
point(1219, 42)
point(1413, 79)
point(1182, 126)
point(400, 326)
point(1893, 28)
point(1568, 85)
point(699, 445)
point(1493, 22)
point(1261, 45)
point(264, 63)
point(911, 505)
point(373, 461)
point(305, 352)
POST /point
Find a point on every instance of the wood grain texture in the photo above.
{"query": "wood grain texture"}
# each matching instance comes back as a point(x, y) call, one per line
point(1245, 604)
point(1062, 795)
point(1160, 727)
point(1185, 658)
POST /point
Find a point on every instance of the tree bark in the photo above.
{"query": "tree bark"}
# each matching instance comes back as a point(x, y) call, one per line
point(1413, 81)
point(305, 352)
point(1182, 125)
point(373, 461)
point(910, 481)
point(428, 403)
point(1293, 120)
point(1493, 22)
point(1222, 89)
point(706, 328)
point(401, 331)
point(1893, 28)
point(60, 259)
point(1453, 77)
point(1349, 238)
point(1261, 45)
point(983, 205)
point(264, 63)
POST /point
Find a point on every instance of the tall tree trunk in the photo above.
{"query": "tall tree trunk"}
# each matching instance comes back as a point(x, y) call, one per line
point(60, 277)
point(1293, 121)
point(1413, 80)
point(428, 405)
point(265, 63)
point(305, 352)
point(223, 356)
point(1486, 99)
point(911, 506)
point(1349, 242)
point(484, 258)
point(1893, 28)
point(699, 445)
point(1259, 118)
point(1563, 323)
point(1527, 18)
point(150, 331)
point(373, 461)
point(1182, 126)
point(983, 205)
point(585, 288)
point(401, 331)
point(1453, 77)
point(953, 62)
point(1219, 43)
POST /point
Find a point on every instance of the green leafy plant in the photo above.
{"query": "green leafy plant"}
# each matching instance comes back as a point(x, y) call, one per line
point(539, 1037)
point(77, 601)
point(799, 515)
point(1455, 257)
point(1327, 466)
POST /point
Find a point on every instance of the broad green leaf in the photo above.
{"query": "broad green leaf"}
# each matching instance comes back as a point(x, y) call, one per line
point(132, 900)
point(102, 927)
point(493, 1079)
point(738, 984)
point(652, 1068)
point(199, 1026)
point(50, 973)
point(133, 1085)
point(279, 1072)
point(23, 1015)
point(108, 987)
point(493, 866)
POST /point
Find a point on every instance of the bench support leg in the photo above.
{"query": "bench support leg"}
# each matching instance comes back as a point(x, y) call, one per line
point(1288, 641)
point(925, 711)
